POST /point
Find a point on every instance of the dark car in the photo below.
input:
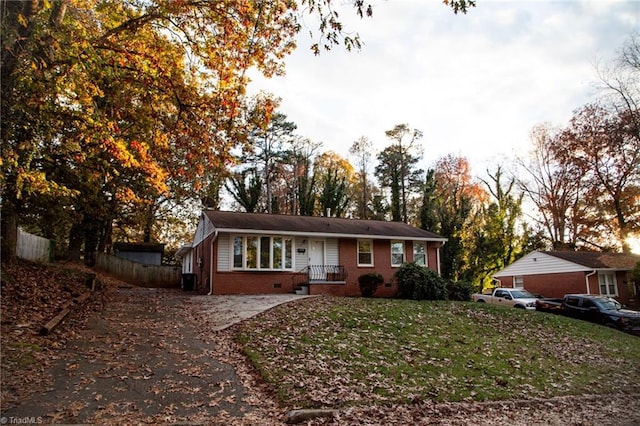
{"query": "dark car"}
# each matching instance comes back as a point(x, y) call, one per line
point(599, 309)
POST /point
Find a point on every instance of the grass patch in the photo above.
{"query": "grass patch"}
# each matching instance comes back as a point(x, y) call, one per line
point(354, 351)
point(21, 353)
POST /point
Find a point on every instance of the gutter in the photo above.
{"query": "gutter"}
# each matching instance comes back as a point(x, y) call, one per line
point(211, 264)
point(586, 279)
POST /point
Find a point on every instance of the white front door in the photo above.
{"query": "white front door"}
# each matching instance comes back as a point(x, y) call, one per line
point(316, 260)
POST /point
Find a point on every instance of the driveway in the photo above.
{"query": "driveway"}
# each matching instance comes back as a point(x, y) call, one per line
point(225, 311)
point(153, 357)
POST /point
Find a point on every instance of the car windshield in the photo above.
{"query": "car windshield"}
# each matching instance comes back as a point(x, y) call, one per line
point(521, 294)
point(608, 304)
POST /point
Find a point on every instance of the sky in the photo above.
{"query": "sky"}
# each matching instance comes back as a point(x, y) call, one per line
point(474, 84)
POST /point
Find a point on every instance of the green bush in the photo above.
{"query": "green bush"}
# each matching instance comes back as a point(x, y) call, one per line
point(369, 283)
point(419, 283)
point(459, 290)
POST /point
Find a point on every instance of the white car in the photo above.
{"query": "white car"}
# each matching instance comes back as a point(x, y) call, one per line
point(518, 298)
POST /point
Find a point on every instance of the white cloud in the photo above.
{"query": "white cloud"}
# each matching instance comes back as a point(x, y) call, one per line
point(475, 84)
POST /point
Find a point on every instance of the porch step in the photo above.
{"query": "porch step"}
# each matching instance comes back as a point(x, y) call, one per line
point(302, 290)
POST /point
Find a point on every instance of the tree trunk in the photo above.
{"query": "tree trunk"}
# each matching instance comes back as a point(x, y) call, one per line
point(9, 230)
point(76, 236)
point(91, 227)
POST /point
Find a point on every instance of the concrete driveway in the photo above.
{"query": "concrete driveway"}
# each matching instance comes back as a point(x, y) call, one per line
point(148, 358)
point(225, 311)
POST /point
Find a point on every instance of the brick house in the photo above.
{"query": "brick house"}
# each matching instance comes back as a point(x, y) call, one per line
point(256, 253)
point(556, 273)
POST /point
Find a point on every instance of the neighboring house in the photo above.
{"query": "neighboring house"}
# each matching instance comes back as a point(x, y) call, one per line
point(255, 253)
point(147, 253)
point(556, 273)
point(186, 255)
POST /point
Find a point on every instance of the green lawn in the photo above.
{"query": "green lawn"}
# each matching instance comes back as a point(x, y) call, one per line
point(334, 352)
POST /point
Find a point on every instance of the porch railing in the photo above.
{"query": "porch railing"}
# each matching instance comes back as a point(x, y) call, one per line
point(319, 273)
point(327, 273)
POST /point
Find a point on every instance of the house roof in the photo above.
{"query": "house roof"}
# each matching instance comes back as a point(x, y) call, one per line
point(303, 225)
point(558, 262)
point(598, 260)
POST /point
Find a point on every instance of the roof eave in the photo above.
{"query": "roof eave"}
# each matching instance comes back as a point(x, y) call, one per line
point(327, 234)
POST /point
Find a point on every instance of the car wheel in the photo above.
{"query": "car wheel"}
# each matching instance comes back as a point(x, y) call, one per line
point(519, 307)
point(481, 301)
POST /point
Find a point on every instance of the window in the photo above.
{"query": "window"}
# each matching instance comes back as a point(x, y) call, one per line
point(500, 293)
point(607, 282)
point(238, 252)
point(397, 253)
point(288, 253)
point(252, 252)
point(518, 281)
point(419, 254)
point(365, 253)
point(277, 252)
point(267, 253)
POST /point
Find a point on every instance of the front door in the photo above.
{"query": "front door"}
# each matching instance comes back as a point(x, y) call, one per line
point(316, 260)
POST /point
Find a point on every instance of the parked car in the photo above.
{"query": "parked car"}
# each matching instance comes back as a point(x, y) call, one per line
point(518, 298)
point(598, 309)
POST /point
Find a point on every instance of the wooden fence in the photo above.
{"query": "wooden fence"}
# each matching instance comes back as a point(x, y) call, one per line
point(34, 248)
point(152, 276)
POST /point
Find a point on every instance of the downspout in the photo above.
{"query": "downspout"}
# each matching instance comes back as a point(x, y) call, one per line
point(438, 256)
point(586, 279)
point(215, 236)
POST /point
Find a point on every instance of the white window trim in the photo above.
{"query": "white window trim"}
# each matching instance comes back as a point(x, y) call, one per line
point(395, 265)
point(259, 238)
point(358, 252)
point(615, 284)
point(515, 280)
point(426, 257)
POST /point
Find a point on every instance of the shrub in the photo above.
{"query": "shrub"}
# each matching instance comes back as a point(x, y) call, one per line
point(419, 283)
point(459, 290)
point(369, 283)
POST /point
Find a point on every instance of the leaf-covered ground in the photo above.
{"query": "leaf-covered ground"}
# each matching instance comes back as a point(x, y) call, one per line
point(134, 357)
point(357, 353)
point(139, 356)
point(31, 295)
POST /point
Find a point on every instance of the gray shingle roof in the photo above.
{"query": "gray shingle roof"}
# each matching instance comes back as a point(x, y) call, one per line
point(225, 220)
point(598, 260)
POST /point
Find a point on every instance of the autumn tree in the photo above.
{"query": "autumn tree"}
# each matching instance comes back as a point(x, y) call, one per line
point(120, 106)
point(619, 82)
point(266, 146)
point(555, 187)
point(246, 189)
point(457, 197)
point(604, 146)
point(495, 239)
point(362, 151)
point(428, 216)
point(397, 168)
point(336, 178)
point(300, 178)
point(117, 106)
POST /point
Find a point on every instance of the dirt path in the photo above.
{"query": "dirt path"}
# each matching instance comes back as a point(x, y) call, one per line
point(141, 361)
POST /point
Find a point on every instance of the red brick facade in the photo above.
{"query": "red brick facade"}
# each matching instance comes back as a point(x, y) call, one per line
point(266, 282)
point(557, 285)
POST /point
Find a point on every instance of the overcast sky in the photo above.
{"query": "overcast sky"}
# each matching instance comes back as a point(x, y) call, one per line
point(474, 84)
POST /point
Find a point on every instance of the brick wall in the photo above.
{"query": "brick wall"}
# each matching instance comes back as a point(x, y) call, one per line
point(267, 282)
point(557, 285)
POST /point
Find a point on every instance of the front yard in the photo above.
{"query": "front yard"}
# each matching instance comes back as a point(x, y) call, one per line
point(349, 352)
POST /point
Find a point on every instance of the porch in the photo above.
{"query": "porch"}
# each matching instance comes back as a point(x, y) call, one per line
point(318, 276)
